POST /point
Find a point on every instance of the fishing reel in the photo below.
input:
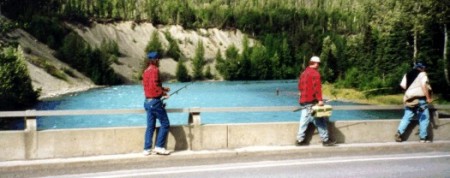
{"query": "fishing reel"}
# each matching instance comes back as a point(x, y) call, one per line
point(165, 94)
point(164, 97)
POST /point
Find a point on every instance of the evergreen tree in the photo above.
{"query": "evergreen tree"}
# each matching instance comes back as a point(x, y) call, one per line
point(99, 70)
point(231, 63)
point(73, 51)
point(182, 74)
point(94, 63)
point(244, 63)
point(208, 74)
point(260, 63)
point(199, 61)
point(394, 51)
point(276, 67)
point(110, 47)
point(286, 60)
point(220, 64)
point(16, 91)
point(154, 44)
point(174, 50)
point(327, 58)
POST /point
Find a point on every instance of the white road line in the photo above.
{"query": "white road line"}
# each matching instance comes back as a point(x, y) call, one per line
point(231, 166)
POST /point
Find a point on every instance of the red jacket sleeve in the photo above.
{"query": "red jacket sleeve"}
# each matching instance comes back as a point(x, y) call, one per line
point(317, 84)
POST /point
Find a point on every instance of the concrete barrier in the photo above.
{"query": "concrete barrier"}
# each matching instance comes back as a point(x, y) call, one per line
point(12, 145)
point(63, 143)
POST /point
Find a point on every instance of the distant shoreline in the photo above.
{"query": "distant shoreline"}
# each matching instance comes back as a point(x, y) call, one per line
point(329, 93)
point(52, 95)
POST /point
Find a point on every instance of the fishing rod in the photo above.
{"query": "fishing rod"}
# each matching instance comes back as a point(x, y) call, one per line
point(304, 107)
point(176, 91)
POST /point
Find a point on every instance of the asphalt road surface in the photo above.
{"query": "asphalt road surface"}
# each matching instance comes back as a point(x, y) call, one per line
point(419, 164)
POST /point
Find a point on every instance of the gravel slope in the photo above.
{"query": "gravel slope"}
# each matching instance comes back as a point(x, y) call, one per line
point(131, 39)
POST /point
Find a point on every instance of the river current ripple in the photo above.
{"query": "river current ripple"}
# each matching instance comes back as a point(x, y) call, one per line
point(198, 94)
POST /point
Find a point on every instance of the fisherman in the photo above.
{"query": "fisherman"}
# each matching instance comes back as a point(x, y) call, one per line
point(417, 98)
point(154, 107)
point(310, 92)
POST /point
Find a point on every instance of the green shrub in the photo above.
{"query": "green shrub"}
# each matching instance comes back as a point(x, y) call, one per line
point(50, 69)
point(94, 63)
point(173, 50)
point(69, 72)
point(198, 62)
point(154, 44)
point(48, 30)
point(111, 47)
point(182, 74)
point(16, 91)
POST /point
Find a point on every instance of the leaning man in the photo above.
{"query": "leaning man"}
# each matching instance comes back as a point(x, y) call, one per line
point(310, 91)
point(417, 97)
point(154, 107)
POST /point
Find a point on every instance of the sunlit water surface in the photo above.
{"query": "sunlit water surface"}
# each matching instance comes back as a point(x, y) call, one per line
point(198, 94)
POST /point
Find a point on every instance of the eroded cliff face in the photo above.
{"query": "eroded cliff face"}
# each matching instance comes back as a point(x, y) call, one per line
point(132, 39)
point(48, 74)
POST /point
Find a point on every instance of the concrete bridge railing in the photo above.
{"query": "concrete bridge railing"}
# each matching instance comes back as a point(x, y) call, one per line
point(32, 143)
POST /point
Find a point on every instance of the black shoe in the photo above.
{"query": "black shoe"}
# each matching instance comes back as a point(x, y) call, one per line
point(398, 137)
point(301, 143)
point(329, 142)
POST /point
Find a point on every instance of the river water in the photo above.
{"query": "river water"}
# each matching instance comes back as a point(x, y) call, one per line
point(198, 94)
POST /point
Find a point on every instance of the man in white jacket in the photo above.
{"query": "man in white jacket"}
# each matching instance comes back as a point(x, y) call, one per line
point(416, 99)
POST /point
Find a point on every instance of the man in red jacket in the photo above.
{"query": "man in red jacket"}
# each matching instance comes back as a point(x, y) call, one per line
point(154, 107)
point(310, 92)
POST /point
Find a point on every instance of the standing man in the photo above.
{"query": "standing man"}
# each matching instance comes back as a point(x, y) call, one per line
point(154, 107)
point(310, 92)
point(416, 99)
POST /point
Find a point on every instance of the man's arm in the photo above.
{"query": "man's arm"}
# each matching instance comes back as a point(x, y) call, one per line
point(427, 93)
point(317, 82)
point(424, 86)
point(403, 82)
point(156, 82)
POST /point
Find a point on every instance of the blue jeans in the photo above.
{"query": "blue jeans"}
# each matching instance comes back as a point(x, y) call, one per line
point(424, 118)
point(306, 118)
point(155, 110)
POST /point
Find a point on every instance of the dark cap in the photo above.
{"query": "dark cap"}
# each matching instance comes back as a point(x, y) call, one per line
point(419, 65)
point(152, 55)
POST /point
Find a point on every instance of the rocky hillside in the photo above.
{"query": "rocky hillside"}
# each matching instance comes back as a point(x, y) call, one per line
point(49, 74)
point(132, 39)
point(54, 77)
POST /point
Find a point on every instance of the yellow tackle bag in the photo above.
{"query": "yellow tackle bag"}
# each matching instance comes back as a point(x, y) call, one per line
point(322, 111)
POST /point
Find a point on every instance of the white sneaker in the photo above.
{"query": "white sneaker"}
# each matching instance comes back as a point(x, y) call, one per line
point(147, 152)
point(424, 141)
point(161, 151)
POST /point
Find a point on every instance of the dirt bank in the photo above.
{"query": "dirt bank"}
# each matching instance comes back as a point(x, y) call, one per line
point(39, 59)
point(132, 39)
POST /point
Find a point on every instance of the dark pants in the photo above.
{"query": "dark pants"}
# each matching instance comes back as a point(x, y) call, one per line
point(155, 110)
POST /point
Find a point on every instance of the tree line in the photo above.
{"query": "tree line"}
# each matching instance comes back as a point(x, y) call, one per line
point(352, 37)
